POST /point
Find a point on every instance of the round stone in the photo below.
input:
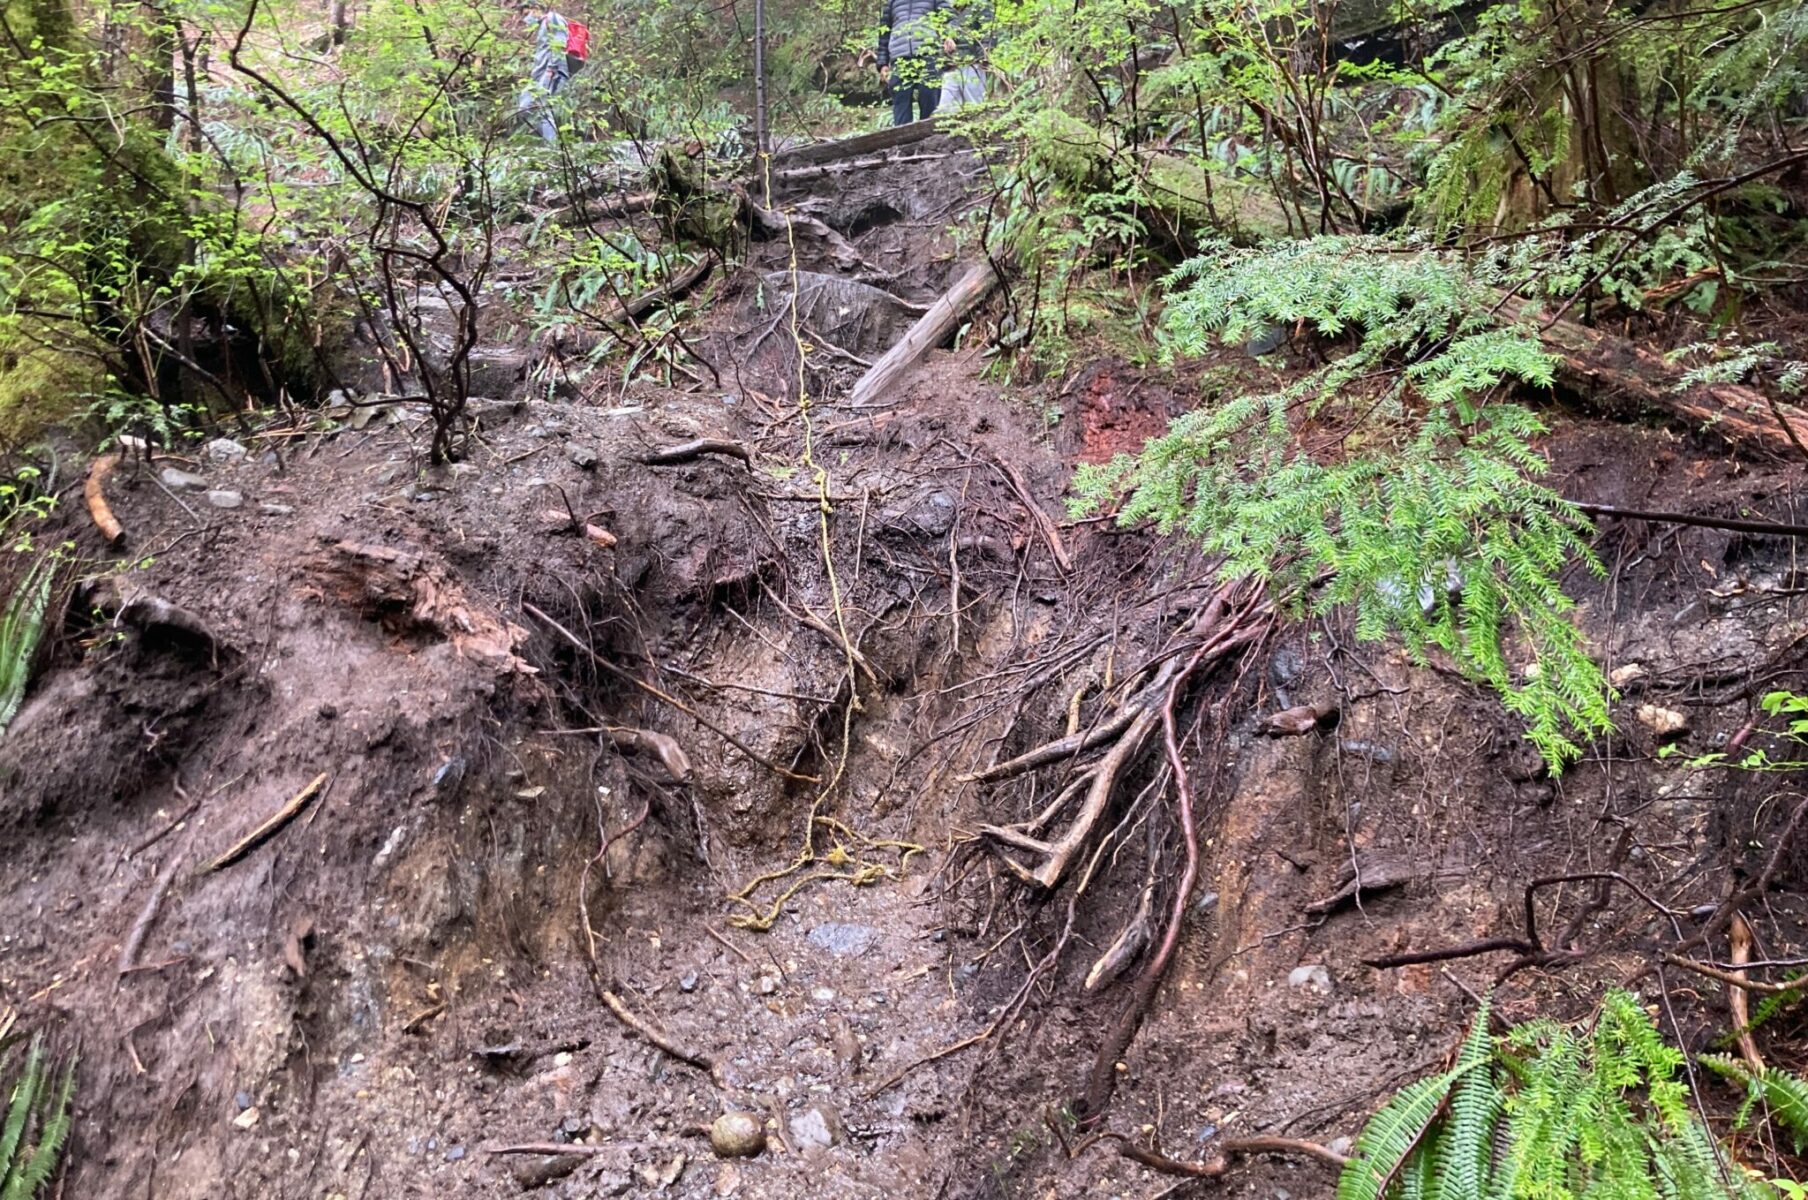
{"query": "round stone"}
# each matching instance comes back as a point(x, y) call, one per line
point(737, 1135)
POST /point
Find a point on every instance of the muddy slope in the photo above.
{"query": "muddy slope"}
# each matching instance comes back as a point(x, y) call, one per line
point(707, 760)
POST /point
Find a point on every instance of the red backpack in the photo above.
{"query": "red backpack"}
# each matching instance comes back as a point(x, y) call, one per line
point(577, 46)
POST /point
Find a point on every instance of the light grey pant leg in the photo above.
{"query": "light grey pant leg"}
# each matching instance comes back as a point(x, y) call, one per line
point(966, 85)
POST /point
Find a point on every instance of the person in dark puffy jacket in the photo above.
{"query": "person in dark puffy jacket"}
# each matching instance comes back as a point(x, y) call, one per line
point(910, 57)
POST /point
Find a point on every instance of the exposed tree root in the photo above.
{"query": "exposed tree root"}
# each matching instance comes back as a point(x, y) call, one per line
point(1210, 1168)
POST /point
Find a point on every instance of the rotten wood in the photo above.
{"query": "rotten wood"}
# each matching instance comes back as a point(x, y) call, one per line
point(94, 492)
point(672, 289)
point(1360, 880)
point(1299, 720)
point(931, 329)
point(270, 827)
point(1621, 377)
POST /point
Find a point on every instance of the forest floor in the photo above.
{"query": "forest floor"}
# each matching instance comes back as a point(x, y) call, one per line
point(708, 762)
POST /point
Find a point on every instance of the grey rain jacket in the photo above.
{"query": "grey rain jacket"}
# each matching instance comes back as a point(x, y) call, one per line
point(905, 30)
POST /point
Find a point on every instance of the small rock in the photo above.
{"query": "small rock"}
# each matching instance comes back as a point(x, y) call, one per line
point(247, 1119)
point(766, 986)
point(845, 1041)
point(844, 940)
point(181, 481)
point(815, 1128)
point(661, 1178)
point(688, 982)
point(822, 995)
point(222, 450)
point(1664, 722)
point(1206, 903)
point(737, 1135)
point(243, 1100)
point(1621, 676)
point(276, 510)
point(1311, 977)
point(455, 1153)
point(728, 1181)
point(1266, 341)
point(224, 498)
point(1340, 1145)
point(582, 457)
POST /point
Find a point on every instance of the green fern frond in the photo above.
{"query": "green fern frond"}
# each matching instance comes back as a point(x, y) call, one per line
point(1785, 1095)
point(20, 1108)
point(37, 1123)
point(21, 628)
point(1391, 1135)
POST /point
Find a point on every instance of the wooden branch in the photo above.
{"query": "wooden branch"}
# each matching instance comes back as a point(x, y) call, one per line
point(1043, 522)
point(128, 953)
point(694, 449)
point(668, 291)
point(269, 828)
point(626, 1016)
point(943, 317)
point(98, 508)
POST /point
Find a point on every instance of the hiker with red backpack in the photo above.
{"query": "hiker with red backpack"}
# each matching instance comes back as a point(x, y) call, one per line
point(561, 48)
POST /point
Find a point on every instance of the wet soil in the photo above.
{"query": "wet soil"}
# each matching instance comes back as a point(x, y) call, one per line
point(406, 977)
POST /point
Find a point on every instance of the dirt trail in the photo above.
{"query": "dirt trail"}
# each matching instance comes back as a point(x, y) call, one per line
point(803, 649)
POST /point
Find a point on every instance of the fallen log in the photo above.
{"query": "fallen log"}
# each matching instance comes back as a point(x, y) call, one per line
point(943, 317)
point(853, 147)
point(98, 508)
point(1617, 376)
point(672, 289)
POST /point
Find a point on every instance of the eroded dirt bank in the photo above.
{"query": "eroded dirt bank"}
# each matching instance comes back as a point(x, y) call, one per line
point(708, 760)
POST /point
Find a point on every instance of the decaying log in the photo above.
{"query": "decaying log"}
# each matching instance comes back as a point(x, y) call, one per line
point(408, 591)
point(1622, 378)
point(853, 147)
point(943, 317)
point(672, 289)
point(98, 508)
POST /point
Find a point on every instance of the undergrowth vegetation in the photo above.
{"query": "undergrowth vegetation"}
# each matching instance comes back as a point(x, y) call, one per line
point(1548, 1113)
point(38, 1086)
point(1435, 527)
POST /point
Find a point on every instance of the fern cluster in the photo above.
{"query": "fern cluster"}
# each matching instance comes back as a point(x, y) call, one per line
point(37, 1120)
point(1395, 480)
point(21, 629)
point(1548, 1113)
point(1784, 1095)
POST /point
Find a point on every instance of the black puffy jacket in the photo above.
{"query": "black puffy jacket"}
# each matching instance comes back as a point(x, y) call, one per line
point(906, 30)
